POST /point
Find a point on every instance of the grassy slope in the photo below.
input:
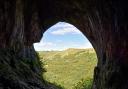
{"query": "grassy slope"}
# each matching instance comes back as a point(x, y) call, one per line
point(68, 67)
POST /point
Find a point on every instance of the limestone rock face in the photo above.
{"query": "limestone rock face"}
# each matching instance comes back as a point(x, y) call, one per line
point(103, 22)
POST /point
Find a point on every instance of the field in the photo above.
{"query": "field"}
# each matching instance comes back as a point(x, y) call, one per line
point(71, 68)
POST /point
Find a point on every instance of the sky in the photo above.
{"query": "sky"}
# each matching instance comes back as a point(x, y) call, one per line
point(62, 36)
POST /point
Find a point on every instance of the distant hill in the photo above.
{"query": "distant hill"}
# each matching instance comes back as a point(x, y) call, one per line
point(68, 67)
point(68, 52)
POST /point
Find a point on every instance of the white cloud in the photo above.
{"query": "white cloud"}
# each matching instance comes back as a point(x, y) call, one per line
point(62, 24)
point(52, 46)
point(62, 28)
point(47, 44)
point(44, 46)
point(85, 45)
point(63, 31)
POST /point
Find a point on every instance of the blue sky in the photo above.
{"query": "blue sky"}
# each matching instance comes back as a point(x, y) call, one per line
point(62, 36)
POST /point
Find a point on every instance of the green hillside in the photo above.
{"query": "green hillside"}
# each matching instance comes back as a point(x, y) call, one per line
point(69, 68)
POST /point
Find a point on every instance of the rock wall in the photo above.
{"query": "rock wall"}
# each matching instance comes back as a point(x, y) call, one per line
point(20, 67)
point(103, 22)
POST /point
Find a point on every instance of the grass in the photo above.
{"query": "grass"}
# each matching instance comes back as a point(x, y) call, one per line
point(71, 68)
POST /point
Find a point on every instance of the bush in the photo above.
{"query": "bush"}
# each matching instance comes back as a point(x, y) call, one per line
point(84, 84)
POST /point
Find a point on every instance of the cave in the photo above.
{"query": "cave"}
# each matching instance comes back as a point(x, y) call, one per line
point(104, 22)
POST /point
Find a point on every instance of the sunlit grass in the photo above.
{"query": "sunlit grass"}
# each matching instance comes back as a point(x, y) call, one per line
point(70, 68)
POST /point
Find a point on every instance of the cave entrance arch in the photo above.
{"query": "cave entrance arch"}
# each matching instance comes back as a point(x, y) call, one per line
point(104, 22)
point(83, 58)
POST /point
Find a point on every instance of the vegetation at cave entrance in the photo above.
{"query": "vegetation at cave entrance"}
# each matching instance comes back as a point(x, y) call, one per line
point(71, 68)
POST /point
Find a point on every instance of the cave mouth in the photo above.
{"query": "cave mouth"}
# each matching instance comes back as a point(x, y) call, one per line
point(68, 56)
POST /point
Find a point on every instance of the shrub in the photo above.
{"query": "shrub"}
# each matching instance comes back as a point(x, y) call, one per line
point(84, 84)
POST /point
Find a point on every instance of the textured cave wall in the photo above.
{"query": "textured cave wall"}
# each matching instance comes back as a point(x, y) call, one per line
point(20, 67)
point(104, 22)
